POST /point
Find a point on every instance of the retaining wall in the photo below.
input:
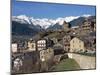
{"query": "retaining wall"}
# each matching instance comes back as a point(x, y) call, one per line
point(85, 62)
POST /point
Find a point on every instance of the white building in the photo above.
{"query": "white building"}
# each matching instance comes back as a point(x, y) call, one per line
point(41, 44)
point(17, 64)
point(14, 48)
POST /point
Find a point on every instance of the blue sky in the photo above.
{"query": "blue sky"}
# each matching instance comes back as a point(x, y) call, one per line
point(47, 10)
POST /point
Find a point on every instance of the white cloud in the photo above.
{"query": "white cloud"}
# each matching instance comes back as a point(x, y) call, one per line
point(86, 15)
point(70, 18)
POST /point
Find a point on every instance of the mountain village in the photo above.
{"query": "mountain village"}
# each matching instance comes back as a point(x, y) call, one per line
point(41, 53)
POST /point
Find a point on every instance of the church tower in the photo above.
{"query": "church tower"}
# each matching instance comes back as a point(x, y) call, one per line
point(66, 26)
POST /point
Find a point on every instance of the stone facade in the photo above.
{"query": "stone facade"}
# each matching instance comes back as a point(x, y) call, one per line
point(88, 25)
point(22, 46)
point(76, 45)
point(66, 42)
point(31, 45)
point(85, 62)
point(46, 55)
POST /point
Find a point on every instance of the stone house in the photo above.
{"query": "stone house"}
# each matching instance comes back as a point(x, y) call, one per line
point(31, 45)
point(46, 59)
point(83, 43)
point(22, 46)
point(75, 30)
point(66, 42)
point(14, 48)
point(92, 41)
point(47, 54)
point(25, 62)
point(17, 64)
point(88, 25)
point(76, 44)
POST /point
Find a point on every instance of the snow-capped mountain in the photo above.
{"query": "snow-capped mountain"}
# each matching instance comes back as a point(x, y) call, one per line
point(21, 19)
point(44, 23)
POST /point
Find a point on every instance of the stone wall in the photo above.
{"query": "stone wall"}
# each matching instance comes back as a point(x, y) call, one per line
point(85, 62)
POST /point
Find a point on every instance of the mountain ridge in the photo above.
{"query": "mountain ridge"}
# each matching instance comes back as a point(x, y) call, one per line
point(43, 22)
point(21, 26)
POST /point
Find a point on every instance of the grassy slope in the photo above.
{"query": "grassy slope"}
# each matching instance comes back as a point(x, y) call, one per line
point(67, 64)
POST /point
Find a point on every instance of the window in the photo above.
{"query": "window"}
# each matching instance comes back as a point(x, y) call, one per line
point(42, 57)
point(32, 45)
